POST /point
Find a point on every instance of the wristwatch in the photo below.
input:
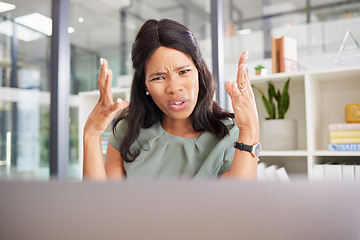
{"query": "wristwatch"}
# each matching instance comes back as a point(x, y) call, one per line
point(253, 149)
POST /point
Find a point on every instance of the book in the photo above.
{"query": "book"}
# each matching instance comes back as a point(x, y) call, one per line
point(318, 172)
point(261, 174)
point(348, 140)
point(344, 147)
point(335, 172)
point(282, 175)
point(357, 173)
point(275, 55)
point(344, 126)
point(332, 172)
point(344, 133)
point(284, 54)
point(348, 173)
point(271, 173)
point(287, 54)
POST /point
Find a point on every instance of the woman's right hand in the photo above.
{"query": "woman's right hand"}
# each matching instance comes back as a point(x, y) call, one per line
point(106, 109)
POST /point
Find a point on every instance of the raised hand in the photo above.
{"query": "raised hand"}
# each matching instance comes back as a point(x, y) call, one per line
point(106, 109)
point(243, 101)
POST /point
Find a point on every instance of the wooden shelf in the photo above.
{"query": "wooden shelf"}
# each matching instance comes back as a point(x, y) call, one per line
point(301, 153)
point(326, 153)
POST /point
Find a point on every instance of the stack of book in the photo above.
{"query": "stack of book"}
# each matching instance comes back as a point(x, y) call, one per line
point(344, 137)
point(271, 173)
point(337, 172)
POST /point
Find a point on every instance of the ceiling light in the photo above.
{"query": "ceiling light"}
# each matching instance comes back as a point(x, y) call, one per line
point(71, 30)
point(23, 33)
point(244, 31)
point(81, 19)
point(36, 21)
point(4, 7)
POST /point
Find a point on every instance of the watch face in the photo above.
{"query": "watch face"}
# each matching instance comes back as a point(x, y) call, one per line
point(257, 149)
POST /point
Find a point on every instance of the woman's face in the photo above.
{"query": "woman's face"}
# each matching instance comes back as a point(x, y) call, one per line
point(172, 81)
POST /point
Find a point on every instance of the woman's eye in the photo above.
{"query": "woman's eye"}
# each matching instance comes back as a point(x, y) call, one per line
point(158, 78)
point(184, 71)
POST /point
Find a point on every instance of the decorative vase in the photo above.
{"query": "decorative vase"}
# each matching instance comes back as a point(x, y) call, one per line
point(261, 72)
point(279, 134)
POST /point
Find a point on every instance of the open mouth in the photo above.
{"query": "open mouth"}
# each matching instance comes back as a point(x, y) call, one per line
point(178, 104)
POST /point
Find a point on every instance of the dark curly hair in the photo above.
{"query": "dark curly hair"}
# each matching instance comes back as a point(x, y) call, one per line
point(142, 111)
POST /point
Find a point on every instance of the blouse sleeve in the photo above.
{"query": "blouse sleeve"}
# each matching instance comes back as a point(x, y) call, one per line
point(230, 150)
point(115, 138)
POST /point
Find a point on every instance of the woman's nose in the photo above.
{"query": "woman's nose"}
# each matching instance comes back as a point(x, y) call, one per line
point(174, 84)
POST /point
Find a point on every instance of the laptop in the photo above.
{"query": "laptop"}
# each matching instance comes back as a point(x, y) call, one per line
point(179, 210)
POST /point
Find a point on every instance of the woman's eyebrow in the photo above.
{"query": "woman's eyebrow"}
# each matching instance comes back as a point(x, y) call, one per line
point(182, 67)
point(156, 74)
point(161, 73)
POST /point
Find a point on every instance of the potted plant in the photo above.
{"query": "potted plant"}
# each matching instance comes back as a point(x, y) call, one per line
point(260, 70)
point(278, 133)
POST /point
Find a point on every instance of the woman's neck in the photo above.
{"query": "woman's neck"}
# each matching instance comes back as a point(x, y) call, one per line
point(181, 128)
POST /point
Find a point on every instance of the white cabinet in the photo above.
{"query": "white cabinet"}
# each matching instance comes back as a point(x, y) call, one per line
point(317, 98)
point(87, 101)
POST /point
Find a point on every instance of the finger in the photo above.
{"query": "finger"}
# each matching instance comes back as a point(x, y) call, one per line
point(103, 68)
point(235, 92)
point(107, 88)
point(105, 63)
point(228, 88)
point(241, 76)
point(248, 85)
point(247, 73)
point(243, 60)
point(243, 95)
point(249, 94)
point(120, 105)
point(244, 57)
point(252, 97)
point(243, 73)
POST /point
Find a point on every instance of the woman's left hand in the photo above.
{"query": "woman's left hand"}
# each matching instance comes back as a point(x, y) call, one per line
point(243, 102)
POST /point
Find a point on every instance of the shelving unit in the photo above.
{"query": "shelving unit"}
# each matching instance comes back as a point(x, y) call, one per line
point(317, 98)
point(87, 101)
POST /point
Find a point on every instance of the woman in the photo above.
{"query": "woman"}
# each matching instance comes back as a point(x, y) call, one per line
point(172, 127)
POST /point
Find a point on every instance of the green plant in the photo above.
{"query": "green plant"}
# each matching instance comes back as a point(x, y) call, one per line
point(282, 100)
point(259, 67)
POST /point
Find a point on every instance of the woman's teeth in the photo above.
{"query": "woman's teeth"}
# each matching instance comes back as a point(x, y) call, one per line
point(178, 103)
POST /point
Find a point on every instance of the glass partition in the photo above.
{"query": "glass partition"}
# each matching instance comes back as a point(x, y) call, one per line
point(318, 26)
point(25, 27)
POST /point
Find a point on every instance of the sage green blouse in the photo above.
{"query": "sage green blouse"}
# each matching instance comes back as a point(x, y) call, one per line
point(162, 155)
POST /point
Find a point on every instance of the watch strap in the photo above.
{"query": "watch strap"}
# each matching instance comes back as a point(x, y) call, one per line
point(244, 147)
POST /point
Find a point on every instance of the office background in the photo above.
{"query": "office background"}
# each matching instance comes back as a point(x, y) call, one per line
point(107, 28)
